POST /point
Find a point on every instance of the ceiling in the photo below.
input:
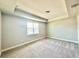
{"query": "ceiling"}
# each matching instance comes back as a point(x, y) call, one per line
point(48, 9)
point(7, 6)
point(72, 7)
point(57, 8)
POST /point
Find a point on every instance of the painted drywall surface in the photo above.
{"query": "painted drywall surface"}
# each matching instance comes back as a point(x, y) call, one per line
point(38, 7)
point(7, 6)
point(65, 29)
point(78, 26)
point(25, 14)
point(15, 31)
point(74, 10)
point(0, 32)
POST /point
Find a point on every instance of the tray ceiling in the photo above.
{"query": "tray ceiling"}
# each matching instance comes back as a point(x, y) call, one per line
point(44, 8)
point(48, 9)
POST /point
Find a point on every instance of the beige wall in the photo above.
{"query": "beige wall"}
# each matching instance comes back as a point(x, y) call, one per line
point(65, 29)
point(0, 32)
point(14, 31)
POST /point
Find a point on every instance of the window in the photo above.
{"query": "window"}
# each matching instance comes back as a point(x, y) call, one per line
point(29, 28)
point(36, 28)
point(32, 28)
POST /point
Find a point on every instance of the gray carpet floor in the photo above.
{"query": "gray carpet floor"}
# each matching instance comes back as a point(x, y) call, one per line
point(45, 48)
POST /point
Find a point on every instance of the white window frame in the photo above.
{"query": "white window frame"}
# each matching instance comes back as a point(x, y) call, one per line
point(34, 25)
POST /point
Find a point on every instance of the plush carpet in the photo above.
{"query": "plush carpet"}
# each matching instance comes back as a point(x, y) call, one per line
point(45, 48)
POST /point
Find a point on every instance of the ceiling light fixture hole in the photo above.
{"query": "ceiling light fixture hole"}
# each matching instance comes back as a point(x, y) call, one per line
point(47, 11)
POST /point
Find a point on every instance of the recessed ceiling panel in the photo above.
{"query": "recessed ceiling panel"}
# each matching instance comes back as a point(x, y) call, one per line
point(55, 8)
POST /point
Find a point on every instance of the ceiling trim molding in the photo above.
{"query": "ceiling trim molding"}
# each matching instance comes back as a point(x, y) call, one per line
point(58, 18)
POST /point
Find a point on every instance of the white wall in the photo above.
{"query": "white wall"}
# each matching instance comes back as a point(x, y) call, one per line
point(0, 32)
point(65, 29)
point(14, 30)
point(78, 27)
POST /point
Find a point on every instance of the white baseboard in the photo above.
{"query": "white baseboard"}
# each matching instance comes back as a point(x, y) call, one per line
point(34, 41)
point(21, 44)
point(64, 39)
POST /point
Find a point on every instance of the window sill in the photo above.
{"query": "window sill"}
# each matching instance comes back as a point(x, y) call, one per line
point(32, 34)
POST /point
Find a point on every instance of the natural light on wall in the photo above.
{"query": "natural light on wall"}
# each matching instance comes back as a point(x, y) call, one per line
point(32, 28)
